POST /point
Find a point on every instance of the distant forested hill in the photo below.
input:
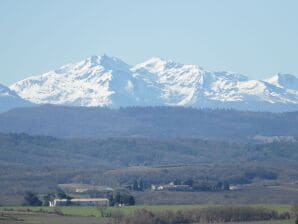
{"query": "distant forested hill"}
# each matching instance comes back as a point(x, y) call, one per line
point(149, 122)
point(37, 162)
point(43, 151)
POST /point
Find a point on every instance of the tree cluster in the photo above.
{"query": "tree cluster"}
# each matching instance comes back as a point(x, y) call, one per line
point(208, 186)
point(121, 199)
point(31, 199)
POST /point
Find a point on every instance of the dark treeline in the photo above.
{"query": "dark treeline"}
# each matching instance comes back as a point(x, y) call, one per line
point(151, 122)
point(206, 215)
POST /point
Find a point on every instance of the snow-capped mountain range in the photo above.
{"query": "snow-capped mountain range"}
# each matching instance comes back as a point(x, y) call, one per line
point(108, 81)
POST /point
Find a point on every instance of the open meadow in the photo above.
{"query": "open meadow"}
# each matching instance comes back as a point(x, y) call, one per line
point(96, 215)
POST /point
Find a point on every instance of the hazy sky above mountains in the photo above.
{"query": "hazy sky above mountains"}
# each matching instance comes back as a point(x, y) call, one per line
point(253, 37)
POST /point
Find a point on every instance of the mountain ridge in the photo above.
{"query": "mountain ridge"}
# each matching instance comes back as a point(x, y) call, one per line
point(109, 81)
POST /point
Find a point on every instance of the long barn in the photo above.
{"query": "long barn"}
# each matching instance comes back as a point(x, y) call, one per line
point(80, 202)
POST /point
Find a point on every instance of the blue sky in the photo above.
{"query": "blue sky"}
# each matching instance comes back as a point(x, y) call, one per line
point(253, 37)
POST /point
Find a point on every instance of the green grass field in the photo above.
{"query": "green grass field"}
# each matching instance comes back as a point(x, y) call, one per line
point(90, 215)
point(93, 211)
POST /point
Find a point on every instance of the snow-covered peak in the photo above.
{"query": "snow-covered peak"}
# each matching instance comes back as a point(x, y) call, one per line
point(109, 63)
point(96, 81)
point(170, 72)
point(284, 80)
point(159, 65)
point(95, 63)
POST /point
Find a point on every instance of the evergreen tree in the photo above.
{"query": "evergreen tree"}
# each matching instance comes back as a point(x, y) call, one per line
point(135, 185)
point(47, 198)
point(141, 185)
point(31, 199)
point(131, 200)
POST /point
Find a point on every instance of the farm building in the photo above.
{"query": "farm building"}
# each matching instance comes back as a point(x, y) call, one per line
point(171, 187)
point(80, 202)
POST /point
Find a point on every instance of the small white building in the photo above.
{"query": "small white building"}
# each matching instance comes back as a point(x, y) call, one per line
point(80, 202)
point(171, 187)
